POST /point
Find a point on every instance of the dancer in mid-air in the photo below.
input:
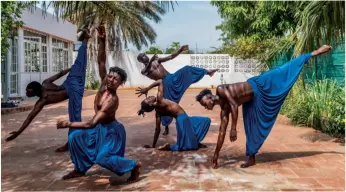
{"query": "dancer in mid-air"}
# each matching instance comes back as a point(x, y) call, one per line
point(50, 93)
point(102, 140)
point(261, 96)
point(175, 84)
point(190, 130)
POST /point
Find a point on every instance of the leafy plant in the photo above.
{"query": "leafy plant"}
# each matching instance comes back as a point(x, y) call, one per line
point(10, 20)
point(154, 50)
point(321, 105)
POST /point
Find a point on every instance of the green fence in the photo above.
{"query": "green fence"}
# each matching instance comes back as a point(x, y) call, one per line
point(331, 66)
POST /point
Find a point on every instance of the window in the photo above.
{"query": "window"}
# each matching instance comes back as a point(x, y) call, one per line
point(14, 67)
point(33, 54)
point(60, 55)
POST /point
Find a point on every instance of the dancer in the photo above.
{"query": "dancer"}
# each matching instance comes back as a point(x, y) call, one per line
point(175, 84)
point(190, 130)
point(50, 93)
point(261, 97)
point(101, 140)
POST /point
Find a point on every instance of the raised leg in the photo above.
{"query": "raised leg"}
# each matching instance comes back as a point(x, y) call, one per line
point(321, 50)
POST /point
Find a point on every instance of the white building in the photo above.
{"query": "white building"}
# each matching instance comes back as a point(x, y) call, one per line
point(43, 47)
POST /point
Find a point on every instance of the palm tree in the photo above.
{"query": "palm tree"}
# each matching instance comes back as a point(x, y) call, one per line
point(320, 22)
point(125, 21)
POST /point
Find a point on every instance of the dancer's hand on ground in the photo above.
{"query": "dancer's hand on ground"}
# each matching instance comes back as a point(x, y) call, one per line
point(211, 72)
point(142, 91)
point(147, 146)
point(185, 48)
point(233, 135)
point(62, 124)
point(12, 136)
point(214, 162)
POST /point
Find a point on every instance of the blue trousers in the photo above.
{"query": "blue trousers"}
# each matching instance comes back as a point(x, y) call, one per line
point(270, 90)
point(103, 145)
point(74, 85)
point(175, 85)
point(190, 132)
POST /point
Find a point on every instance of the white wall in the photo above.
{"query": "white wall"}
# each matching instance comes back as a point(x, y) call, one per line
point(133, 68)
point(49, 24)
point(26, 78)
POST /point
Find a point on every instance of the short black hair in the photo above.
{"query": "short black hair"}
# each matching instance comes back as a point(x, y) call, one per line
point(121, 72)
point(202, 94)
point(36, 87)
point(139, 56)
point(145, 107)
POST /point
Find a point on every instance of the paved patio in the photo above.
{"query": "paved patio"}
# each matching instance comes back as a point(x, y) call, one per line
point(292, 158)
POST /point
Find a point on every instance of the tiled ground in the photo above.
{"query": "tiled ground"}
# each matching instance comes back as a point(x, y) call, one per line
point(292, 158)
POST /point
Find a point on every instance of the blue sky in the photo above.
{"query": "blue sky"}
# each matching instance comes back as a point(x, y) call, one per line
point(191, 22)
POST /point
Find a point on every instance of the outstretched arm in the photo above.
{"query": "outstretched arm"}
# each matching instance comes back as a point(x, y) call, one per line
point(144, 91)
point(174, 55)
point(101, 58)
point(56, 76)
point(37, 108)
point(224, 116)
point(157, 129)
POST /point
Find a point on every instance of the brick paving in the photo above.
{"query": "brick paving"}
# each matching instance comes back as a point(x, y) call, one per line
point(292, 158)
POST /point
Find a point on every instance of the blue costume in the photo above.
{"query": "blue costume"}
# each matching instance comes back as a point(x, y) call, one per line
point(74, 85)
point(270, 90)
point(103, 145)
point(175, 85)
point(190, 132)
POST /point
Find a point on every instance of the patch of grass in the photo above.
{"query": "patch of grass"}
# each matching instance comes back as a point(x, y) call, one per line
point(321, 106)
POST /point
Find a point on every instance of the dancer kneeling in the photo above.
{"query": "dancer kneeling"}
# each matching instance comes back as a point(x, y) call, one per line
point(102, 140)
point(190, 130)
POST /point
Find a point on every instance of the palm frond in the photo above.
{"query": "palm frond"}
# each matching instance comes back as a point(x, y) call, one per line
point(321, 22)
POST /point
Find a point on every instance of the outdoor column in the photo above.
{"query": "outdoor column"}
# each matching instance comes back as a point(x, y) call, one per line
point(21, 63)
point(8, 69)
point(49, 55)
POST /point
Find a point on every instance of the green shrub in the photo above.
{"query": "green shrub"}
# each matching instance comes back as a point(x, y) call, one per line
point(90, 83)
point(321, 106)
point(95, 84)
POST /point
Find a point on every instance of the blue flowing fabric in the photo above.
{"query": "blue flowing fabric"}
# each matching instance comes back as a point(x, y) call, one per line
point(103, 145)
point(270, 90)
point(74, 85)
point(175, 85)
point(190, 132)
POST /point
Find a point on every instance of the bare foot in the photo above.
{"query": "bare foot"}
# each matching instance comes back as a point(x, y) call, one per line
point(202, 145)
point(250, 162)
point(322, 50)
point(166, 132)
point(212, 71)
point(63, 148)
point(83, 34)
point(73, 174)
point(164, 147)
point(135, 173)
